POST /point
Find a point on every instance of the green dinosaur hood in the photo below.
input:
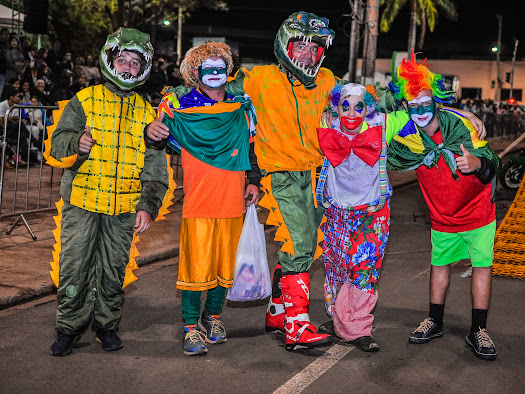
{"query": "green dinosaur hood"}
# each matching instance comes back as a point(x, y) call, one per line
point(308, 27)
point(125, 39)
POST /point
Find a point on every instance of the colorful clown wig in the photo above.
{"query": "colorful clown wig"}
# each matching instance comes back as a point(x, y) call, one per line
point(197, 55)
point(414, 77)
point(353, 89)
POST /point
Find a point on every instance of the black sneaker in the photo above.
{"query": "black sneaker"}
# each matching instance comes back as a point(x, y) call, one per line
point(427, 330)
point(482, 344)
point(63, 345)
point(109, 340)
point(365, 344)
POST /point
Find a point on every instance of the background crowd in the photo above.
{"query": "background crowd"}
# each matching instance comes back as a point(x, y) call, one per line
point(488, 106)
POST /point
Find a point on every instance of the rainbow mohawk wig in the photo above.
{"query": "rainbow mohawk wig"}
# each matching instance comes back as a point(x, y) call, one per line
point(414, 77)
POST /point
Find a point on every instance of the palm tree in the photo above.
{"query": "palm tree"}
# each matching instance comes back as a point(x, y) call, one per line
point(422, 12)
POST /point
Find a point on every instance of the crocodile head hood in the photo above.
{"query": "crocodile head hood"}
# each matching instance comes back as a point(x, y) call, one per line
point(132, 40)
point(306, 27)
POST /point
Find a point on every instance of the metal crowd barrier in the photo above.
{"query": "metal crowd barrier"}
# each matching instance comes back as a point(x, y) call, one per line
point(502, 125)
point(31, 185)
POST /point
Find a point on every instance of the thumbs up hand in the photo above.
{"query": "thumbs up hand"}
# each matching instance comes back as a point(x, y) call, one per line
point(467, 163)
point(157, 131)
point(86, 142)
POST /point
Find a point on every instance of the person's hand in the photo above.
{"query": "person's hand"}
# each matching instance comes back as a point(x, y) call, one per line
point(254, 191)
point(467, 163)
point(86, 142)
point(142, 222)
point(479, 126)
point(157, 131)
point(327, 118)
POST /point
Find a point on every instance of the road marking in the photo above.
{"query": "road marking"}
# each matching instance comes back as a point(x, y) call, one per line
point(314, 370)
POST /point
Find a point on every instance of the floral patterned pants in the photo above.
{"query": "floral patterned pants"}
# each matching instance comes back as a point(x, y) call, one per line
point(353, 249)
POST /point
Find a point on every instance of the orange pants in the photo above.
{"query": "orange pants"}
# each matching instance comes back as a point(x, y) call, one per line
point(207, 252)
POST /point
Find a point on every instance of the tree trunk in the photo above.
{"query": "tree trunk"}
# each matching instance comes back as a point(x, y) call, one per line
point(412, 27)
point(356, 15)
point(423, 31)
point(120, 13)
point(372, 30)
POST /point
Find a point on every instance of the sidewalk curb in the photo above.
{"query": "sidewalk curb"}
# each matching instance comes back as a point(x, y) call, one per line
point(45, 290)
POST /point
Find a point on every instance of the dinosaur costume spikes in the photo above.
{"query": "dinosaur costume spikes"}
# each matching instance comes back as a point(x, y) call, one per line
point(131, 40)
point(306, 27)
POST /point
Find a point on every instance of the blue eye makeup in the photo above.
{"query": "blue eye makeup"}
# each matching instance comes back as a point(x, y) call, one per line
point(359, 107)
point(345, 106)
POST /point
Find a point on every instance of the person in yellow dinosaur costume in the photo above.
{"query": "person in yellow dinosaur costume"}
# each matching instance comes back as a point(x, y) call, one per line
point(112, 187)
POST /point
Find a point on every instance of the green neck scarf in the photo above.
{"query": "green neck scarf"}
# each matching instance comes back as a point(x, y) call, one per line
point(216, 135)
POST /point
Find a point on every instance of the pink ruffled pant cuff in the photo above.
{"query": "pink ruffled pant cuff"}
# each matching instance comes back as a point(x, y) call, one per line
point(352, 312)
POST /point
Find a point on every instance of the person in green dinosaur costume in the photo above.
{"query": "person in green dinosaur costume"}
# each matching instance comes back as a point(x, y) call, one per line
point(112, 187)
point(289, 100)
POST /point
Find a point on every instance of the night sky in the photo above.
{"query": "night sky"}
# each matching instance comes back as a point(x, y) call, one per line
point(254, 24)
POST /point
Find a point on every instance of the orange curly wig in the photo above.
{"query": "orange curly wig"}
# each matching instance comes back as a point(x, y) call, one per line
point(196, 55)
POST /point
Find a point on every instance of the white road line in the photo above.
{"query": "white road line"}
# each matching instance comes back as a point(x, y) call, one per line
point(314, 370)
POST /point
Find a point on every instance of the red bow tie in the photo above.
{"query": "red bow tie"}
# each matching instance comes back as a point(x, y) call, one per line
point(337, 147)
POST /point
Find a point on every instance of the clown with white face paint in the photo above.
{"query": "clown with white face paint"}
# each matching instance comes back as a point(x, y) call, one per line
point(422, 109)
point(212, 72)
point(209, 128)
point(454, 169)
point(354, 188)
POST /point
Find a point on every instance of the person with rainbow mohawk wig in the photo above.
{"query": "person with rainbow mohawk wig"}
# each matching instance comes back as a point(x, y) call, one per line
point(354, 188)
point(455, 170)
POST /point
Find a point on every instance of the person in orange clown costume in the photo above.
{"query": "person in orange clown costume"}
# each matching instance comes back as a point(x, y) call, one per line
point(211, 130)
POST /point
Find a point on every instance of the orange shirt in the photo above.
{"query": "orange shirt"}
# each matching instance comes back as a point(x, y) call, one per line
point(211, 192)
point(288, 117)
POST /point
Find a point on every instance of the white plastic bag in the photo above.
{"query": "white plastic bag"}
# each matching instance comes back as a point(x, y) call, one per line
point(251, 280)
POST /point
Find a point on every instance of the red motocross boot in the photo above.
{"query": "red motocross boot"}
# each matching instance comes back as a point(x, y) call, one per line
point(300, 333)
point(275, 313)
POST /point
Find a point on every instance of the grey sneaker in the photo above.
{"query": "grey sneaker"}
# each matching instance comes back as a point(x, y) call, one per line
point(213, 328)
point(427, 330)
point(194, 343)
point(482, 344)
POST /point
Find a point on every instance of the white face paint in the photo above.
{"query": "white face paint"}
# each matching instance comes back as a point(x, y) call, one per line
point(214, 79)
point(422, 110)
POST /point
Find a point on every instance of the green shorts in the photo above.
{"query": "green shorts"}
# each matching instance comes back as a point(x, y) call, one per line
point(476, 245)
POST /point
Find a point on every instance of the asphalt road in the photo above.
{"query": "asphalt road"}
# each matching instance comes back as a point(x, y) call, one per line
point(253, 361)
